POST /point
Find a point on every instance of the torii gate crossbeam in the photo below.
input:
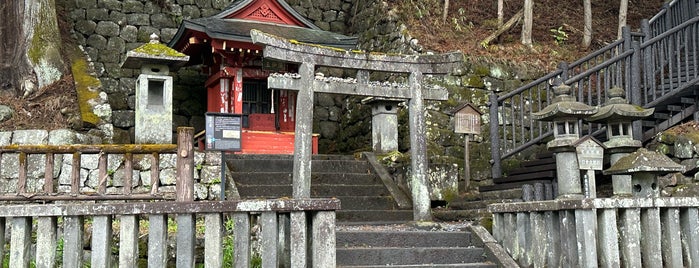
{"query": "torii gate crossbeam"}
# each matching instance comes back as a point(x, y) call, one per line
point(309, 57)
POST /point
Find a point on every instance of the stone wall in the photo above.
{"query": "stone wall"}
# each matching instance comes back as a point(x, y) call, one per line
point(207, 167)
point(681, 144)
point(106, 29)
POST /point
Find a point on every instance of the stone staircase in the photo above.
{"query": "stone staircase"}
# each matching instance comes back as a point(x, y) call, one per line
point(409, 248)
point(364, 196)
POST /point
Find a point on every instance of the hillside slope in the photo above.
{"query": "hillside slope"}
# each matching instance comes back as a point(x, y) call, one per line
point(470, 22)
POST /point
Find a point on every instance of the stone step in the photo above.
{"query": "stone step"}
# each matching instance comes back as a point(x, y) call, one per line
point(409, 256)
point(317, 190)
point(461, 214)
point(272, 178)
point(374, 216)
point(354, 239)
point(287, 165)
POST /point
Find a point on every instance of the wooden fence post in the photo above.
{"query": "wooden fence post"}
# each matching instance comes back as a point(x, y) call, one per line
point(185, 193)
point(185, 164)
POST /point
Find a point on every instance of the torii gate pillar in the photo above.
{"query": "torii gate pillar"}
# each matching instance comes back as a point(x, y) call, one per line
point(311, 56)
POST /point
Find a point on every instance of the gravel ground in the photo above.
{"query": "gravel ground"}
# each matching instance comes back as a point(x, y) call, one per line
point(410, 226)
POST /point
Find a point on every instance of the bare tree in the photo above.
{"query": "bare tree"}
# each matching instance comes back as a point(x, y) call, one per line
point(446, 11)
point(30, 52)
point(623, 11)
point(501, 13)
point(527, 25)
point(587, 29)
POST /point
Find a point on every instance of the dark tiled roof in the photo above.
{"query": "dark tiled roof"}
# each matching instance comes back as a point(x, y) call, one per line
point(239, 30)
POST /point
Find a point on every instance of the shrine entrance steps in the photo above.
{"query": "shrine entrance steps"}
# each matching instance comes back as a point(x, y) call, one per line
point(380, 246)
point(363, 195)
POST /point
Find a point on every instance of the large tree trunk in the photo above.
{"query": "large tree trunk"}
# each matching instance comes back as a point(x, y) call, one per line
point(30, 55)
point(528, 21)
point(587, 29)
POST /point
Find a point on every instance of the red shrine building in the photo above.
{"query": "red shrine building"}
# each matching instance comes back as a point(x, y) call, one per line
point(237, 72)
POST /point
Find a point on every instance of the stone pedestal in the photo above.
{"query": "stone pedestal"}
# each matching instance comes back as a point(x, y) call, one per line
point(384, 124)
point(621, 184)
point(568, 175)
point(154, 107)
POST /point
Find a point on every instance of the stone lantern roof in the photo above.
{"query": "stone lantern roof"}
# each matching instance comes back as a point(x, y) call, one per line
point(618, 109)
point(154, 53)
point(564, 106)
point(644, 161)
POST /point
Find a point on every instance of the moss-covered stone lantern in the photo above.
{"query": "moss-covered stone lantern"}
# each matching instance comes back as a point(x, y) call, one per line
point(618, 115)
point(644, 167)
point(153, 119)
point(565, 112)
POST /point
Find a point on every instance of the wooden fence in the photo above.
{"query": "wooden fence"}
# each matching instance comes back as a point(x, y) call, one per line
point(293, 232)
point(604, 232)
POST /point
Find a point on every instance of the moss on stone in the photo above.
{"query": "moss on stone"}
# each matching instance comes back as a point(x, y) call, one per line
point(84, 85)
point(45, 39)
point(158, 49)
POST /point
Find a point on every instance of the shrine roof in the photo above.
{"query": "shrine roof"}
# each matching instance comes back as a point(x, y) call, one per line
point(239, 30)
point(270, 16)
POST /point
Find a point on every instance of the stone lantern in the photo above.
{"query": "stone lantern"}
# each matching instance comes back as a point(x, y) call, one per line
point(384, 123)
point(644, 166)
point(565, 112)
point(153, 120)
point(618, 115)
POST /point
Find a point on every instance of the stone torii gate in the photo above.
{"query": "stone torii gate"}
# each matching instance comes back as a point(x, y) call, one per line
point(309, 57)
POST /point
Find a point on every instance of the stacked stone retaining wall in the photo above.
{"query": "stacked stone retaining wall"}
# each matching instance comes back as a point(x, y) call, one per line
point(207, 171)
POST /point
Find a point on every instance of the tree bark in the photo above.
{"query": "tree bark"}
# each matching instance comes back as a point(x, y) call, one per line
point(503, 28)
point(587, 29)
point(30, 51)
point(446, 11)
point(501, 13)
point(14, 65)
point(623, 11)
point(528, 21)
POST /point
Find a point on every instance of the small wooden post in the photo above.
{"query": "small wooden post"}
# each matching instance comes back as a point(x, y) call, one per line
point(467, 120)
point(467, 164)
point(22, 182)
point(48, 174)
point(75, 174)
point(185, 164)
point(185, 193)
point(128, 173)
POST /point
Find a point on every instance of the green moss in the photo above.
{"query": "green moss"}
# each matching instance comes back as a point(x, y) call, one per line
point(45, 38)
point(481, 70)
point(449, 195)
point(473, 81)
point(158, 49)
point(84, 83)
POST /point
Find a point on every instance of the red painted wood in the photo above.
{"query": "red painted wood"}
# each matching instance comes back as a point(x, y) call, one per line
point(262, 122)
point(265, 11)
point(287, 110)
point(267, 142)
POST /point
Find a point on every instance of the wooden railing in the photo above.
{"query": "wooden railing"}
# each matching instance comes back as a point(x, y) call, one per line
point(604, 232)
point(134, 220)
point(647, 65)
point(294, 232)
